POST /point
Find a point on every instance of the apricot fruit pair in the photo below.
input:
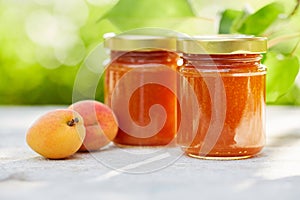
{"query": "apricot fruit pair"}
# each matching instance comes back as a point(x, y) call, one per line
point(85, 126)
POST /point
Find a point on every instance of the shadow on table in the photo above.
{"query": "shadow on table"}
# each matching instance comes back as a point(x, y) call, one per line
point(285, 139)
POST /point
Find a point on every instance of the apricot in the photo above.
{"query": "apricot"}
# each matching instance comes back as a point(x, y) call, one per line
point(57, 134)
point(100, 123)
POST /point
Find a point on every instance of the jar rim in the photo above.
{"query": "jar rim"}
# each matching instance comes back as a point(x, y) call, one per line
point(222, 44)
point(128, 42)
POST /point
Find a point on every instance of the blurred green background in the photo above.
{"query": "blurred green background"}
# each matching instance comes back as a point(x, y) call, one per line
point(44, 42)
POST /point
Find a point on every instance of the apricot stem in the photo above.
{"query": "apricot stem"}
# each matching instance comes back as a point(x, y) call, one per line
point(73, 121)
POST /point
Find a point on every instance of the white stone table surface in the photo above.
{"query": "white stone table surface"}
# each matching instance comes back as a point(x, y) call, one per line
point(114, 173)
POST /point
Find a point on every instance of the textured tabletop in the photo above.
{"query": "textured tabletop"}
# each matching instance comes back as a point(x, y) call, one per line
point(149, 173)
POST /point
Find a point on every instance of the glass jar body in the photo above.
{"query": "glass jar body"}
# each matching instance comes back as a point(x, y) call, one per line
point(230, 92)
point(125, 71)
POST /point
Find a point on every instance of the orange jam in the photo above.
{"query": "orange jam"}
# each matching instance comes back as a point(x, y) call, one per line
point(230, 106)
point(127, 84)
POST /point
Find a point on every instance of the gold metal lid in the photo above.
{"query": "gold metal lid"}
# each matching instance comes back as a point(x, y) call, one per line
point(140, 43)
point(222, 44)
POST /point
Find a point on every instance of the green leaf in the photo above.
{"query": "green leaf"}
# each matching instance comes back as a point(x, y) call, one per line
point(292, 97)
point(228, 18)
point(129, 14)
point(258, 22)
point(282, 71)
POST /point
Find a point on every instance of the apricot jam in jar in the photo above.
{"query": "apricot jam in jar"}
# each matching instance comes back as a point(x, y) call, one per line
point(227, 79)
point(139, 87)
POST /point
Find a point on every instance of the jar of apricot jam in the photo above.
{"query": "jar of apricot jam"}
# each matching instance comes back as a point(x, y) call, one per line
point(132, 88)
point(228, 81)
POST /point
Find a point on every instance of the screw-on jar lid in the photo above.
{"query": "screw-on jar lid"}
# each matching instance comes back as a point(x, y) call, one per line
point(222, 44)
point(140, 43)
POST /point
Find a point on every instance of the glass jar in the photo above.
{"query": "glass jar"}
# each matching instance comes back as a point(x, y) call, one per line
point(228, 80)
point(133, 87)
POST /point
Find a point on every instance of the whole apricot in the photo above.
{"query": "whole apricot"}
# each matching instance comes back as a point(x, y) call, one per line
point(100, 123)
point(57, 134)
